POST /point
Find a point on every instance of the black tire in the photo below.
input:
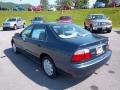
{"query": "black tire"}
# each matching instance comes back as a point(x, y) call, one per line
point(53, 72)
point(85, 27)
point(4, 29)
point(109, 31)
point(91, 28)
point(24, 25)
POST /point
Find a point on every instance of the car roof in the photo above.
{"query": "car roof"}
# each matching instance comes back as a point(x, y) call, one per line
point(65, 16)
point(15, 17)
point(51, 23)
point(96, 14)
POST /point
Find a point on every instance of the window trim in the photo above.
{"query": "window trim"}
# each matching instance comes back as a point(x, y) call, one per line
point(25, 30)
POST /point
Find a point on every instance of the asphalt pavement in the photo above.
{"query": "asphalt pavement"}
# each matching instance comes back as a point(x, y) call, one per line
point(18, 72)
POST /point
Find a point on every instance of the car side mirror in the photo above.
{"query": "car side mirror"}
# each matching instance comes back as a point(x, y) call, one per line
point(18, 34)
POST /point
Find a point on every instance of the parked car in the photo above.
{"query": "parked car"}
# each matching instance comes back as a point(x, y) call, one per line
point(18, 8)
point(99, 5)
point(98, 22)
point(63, 47)
point(3, 8)
point(13, 23)
point(84, 6)
point(65, 19)
point(35, 8)
point(67, 8)
point(52, 9)
point(37, 20)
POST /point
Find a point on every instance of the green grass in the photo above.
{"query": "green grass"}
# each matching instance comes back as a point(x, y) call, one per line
point(77, 15)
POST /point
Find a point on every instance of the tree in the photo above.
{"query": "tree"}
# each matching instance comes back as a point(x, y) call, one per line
point(64, 2)
point(44, 3)
point(59, 2)
point(79, 3)
point(68, 3)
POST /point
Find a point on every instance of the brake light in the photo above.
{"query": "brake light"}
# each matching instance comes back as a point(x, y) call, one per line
point(81, 55)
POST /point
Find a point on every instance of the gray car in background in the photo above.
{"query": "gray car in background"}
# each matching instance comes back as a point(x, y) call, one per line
point(13, 23)
point(98, 22)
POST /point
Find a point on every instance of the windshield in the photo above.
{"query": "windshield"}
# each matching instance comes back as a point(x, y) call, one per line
point(11, 19)
point(37, 19)
point(98, 17)
point(65, 18)
point(69, 31)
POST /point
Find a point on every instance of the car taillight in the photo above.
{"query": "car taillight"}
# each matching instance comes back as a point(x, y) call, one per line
point(81, 55)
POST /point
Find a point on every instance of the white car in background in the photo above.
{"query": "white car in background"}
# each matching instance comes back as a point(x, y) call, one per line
point(52, 9)
point(13, 23)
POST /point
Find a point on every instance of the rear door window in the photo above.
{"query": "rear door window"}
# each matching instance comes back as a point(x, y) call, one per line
point(39, 32)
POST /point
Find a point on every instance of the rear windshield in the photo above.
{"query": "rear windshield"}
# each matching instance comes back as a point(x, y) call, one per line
point(11, 19)
point(65, 18)
point(37, 18)
point(69, 31)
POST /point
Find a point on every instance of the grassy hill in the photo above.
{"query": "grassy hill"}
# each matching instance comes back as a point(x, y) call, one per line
point(10, 5)
point(77, 15)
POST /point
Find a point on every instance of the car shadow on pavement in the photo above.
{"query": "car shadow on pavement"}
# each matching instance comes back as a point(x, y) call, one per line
point(34, 72)
point(118, 32)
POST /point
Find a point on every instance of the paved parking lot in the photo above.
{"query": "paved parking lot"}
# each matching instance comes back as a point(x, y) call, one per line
point(19, 73)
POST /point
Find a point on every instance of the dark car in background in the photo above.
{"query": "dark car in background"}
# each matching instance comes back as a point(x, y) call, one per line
point(3, 8)
point(65, 19)
point(37, 20)
point(18, 8)
point(63, 46)
point(99, 5)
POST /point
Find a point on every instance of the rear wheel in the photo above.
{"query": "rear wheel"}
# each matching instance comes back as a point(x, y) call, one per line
point(49, 67)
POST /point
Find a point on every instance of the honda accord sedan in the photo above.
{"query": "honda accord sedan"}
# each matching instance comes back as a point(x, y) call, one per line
point(63, 47)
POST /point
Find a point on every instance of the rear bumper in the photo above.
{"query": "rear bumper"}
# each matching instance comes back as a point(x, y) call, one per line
point(84, 69)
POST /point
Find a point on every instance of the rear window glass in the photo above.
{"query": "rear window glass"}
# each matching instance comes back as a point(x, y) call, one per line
point(37, 18)
point(11, 19)
point(69, 31)
point(65, 18)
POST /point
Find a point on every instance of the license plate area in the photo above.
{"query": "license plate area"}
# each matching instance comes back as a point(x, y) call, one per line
point(99, 50)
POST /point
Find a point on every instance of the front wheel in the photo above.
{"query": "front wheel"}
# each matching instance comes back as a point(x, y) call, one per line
point(109, 31)
point(24, 25)
point(91, 29)
point(49, 67)
point(15, 27)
